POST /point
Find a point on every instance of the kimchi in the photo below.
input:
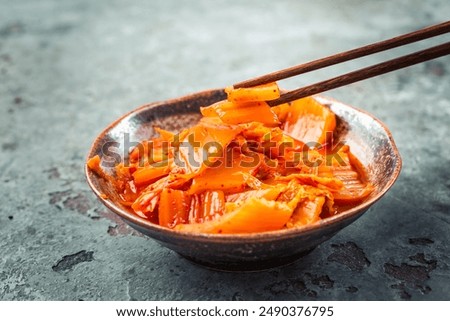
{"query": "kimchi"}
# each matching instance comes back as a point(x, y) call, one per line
point(245, 167)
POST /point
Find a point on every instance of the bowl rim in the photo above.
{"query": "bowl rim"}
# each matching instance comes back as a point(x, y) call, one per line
point(239, 237)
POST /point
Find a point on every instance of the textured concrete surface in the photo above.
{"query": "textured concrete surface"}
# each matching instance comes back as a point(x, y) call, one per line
point(69, 68)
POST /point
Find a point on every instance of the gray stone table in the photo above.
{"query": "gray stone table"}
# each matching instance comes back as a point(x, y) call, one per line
point(69, 68)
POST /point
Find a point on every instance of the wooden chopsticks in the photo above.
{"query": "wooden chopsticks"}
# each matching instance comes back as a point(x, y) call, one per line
point(364, 73)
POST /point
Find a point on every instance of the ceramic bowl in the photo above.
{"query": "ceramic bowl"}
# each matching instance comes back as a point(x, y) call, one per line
point(369, 140)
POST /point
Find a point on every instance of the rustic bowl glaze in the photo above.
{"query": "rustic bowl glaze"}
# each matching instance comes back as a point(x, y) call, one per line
point(370, 141)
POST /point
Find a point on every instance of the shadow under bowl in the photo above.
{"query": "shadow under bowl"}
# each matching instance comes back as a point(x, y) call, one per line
point(370, 141)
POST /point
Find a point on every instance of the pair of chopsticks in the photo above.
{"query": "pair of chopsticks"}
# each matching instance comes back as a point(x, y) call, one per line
point(360, 74)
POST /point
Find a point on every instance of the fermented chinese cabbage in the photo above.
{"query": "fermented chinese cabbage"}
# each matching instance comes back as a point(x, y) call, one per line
point(244, 167)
